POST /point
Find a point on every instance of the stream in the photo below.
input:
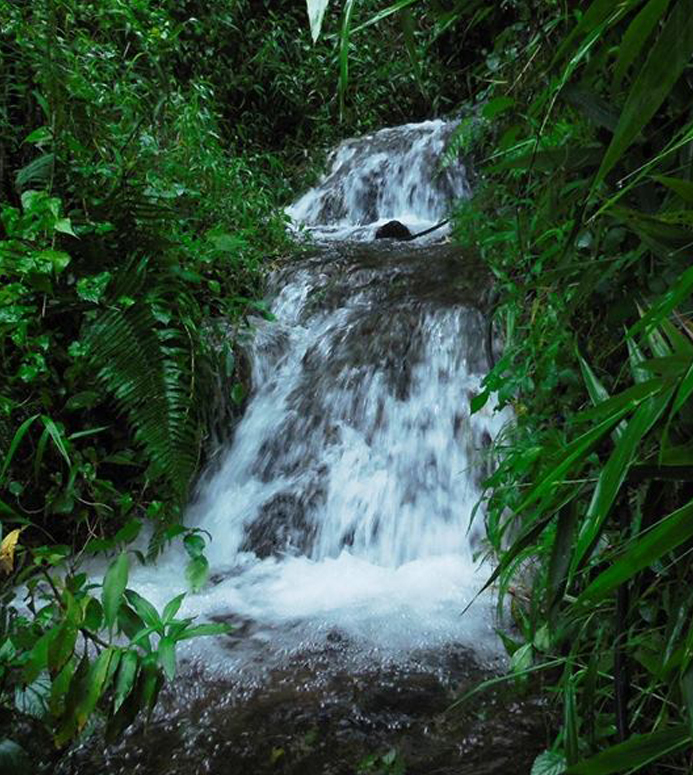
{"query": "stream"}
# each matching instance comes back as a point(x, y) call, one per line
point(341, 512)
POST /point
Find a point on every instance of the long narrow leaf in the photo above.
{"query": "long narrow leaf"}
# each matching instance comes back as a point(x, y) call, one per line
point(672, 531)
point(636, 752)
point(667, 60)
point(574, 452)
point(16, 441)
point(614, 472)
point(344, 53)
point(636, 37)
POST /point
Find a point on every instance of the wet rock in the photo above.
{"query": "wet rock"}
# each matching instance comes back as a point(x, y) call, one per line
point(393, 230)
point(281, 527)
point(419, 695)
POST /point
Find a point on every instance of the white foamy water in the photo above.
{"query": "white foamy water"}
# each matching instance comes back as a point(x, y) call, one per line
point(344, 502)
point(393, 174)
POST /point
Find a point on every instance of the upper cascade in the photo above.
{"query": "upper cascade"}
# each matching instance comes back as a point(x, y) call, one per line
point(393, 174)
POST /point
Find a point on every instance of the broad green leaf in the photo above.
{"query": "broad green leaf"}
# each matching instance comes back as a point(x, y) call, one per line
point(549, 763)
point(632, 397)
point(636, 36)
point(96, 686)
point(614, 472)
point(64, 226)
point(194, 545)
point(127, 673)
point(643, 551)
point(62, 646)
point(316, 15)
point(662, 69)
point(172, 607)
point(60, 687)
point(128, 532)
point(93, 615)
point(684, 391)
point(635, 753)
point(152, 682)
point(38, 656)
point(114, 584)
point(598, 393)
point(479, 401)
point(200, 630)
point(636, 358)
point(167, 657)
point(149, 614)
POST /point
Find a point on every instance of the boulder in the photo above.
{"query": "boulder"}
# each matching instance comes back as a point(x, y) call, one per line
point(393, 230)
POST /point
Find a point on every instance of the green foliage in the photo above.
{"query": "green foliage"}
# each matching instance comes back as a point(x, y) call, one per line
point(76, 652)
point(583, 216)
point(134, 239)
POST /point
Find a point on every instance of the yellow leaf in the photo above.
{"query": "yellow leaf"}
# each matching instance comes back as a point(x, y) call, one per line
point(7, 547)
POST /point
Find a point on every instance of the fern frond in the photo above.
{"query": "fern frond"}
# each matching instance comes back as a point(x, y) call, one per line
point(152, 388)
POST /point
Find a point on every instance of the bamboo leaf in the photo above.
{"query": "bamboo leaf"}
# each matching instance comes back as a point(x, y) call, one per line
point(672, 531)
point(614, 472)
point(635, 753)
point(574, 452)
point(636, 36)
point(663, 67)
point(660, 311)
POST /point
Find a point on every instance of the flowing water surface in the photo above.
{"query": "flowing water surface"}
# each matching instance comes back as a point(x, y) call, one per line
point(341, 512)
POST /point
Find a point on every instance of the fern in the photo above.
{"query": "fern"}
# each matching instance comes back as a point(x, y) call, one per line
point(36, 172)
point(142, 368)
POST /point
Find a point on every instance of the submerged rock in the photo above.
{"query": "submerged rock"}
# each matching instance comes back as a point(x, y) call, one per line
point(393, 230)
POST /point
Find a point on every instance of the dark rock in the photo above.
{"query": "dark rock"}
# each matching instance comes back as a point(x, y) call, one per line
point(282, 526)
point(393, 230)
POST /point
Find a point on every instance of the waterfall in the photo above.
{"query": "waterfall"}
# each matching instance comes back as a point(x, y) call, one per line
point(344, 502)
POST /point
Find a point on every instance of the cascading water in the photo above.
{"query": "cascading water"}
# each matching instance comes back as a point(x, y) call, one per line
point(344, 502)
point(340, 513)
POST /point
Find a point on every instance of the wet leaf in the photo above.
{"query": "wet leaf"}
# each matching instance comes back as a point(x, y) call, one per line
point(549, 763)
point(114, 584)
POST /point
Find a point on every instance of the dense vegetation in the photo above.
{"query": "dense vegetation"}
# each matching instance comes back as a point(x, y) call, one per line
point(145, 151)
point(580, 122)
